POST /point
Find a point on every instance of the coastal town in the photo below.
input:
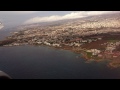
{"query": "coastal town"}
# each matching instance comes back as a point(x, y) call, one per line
point(96, 39)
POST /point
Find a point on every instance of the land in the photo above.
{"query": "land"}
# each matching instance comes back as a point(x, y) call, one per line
point(97, 38)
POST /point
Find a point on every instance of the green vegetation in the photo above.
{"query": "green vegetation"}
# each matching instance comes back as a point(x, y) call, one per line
point(89, 54)
point(113, 41)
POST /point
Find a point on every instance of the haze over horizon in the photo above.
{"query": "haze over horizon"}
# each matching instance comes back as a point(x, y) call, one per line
point(16, 18)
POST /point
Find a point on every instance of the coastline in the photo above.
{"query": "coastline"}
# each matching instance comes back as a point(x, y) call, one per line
point(81, 51)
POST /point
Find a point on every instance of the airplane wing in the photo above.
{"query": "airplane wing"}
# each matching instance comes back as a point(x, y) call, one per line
point(3, 75)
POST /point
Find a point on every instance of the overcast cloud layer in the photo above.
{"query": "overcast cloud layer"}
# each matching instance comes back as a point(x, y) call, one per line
point(72, 15)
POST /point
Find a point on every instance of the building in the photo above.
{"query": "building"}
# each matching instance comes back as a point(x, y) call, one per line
point(94, 51)
point(56, 45)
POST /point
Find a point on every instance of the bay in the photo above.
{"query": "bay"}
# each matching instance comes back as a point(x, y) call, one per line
point(41, 62)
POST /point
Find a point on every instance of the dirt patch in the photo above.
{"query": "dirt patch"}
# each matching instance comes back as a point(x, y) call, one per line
point(115, 63)
point(96, 44)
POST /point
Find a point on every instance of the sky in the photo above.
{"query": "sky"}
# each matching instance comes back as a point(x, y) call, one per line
point(15, 18)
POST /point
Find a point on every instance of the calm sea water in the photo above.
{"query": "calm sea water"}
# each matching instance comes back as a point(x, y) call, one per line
point(31, 62)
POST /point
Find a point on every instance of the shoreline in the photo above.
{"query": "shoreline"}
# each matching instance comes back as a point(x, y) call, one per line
point(111, 62)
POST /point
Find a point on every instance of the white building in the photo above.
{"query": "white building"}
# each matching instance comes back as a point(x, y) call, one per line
point(46, 43)
point(94, 51)
point(56, 45)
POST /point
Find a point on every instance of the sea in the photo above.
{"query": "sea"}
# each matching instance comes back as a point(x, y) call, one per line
point(42, 62)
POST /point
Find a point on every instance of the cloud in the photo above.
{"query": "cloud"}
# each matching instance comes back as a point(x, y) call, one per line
point(18, 12)
point(73, 15)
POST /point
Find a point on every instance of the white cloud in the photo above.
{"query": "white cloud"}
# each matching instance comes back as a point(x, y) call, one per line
point(18, 12)
point(78, 14)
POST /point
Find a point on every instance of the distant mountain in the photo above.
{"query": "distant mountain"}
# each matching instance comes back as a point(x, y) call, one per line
point(91, 25)
point(115, 16)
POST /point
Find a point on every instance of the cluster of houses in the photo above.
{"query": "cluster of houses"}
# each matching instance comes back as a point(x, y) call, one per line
point(112, 46)
point(109, 52)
